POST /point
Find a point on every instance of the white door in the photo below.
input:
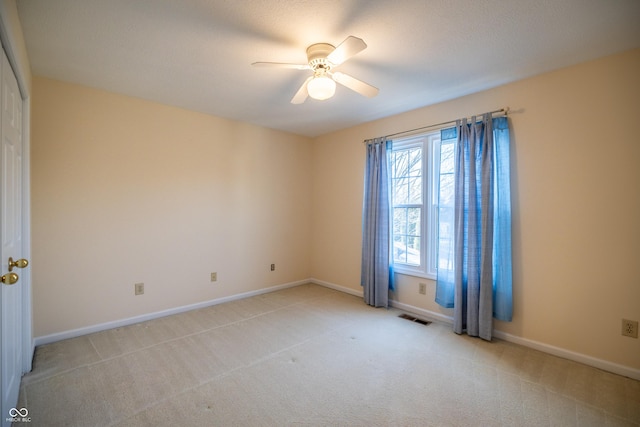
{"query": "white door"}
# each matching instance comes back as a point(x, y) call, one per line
point(11, 300)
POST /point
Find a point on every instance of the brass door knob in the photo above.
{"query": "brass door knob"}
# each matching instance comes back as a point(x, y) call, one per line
point(9, 278)
point(21, 263)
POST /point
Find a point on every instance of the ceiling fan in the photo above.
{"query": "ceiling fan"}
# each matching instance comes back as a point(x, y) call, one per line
point(323, 59)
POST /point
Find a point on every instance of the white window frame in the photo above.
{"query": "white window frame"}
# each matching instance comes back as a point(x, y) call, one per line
point(430, 144)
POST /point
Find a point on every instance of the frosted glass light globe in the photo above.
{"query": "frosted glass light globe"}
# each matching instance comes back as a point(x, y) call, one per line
point(321, 88)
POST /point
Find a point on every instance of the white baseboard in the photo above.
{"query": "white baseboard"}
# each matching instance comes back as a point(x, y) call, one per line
point(605, 365)
point(59, 336)
point(357, 293)
point(545, 348)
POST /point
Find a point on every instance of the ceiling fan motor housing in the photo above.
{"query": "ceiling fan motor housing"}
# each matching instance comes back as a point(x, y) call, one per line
point(317, 56)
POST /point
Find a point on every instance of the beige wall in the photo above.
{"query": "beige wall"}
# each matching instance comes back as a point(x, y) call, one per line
point(576, 204)
point(128, 191)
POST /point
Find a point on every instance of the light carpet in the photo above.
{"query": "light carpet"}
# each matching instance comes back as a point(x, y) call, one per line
point(312, 356)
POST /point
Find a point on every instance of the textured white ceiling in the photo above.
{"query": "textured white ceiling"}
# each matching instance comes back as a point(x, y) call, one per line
point(196, 54)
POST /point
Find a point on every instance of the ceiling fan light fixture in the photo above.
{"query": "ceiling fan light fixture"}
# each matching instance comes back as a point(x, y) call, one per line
point(321, 88)
point(322, 59)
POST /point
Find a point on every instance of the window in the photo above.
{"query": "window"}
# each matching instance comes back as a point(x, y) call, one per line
point(415, 181)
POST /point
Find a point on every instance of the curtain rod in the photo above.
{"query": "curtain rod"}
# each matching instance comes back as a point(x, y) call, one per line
point(502, 110)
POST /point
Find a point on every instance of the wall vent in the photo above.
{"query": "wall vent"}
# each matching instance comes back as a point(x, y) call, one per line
point(414, 319)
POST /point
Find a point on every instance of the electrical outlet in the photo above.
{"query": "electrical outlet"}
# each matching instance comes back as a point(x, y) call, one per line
point(422, 288)
point(139, 288)
point(214, 277)
point(273, 267)
point(630, 328)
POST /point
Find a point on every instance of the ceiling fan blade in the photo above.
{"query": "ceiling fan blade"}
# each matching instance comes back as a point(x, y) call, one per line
point(302, 93)
point(282, 65)
point(355, 85)
point(345, 50)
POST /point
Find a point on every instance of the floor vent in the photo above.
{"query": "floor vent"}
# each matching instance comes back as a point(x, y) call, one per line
point(414, 319)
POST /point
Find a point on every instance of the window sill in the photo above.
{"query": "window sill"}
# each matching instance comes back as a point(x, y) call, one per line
point(409, 272)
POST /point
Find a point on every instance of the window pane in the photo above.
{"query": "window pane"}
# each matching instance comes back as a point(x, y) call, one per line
point(445, 236)
point(447, 190)
point(399, 249)
point(415, 162)
point(447, 159)
point(413, 221)
point(445, 256)
point(406, 235)
point(415, 190)
point(400, 191)
point(446, 223)
point(413, 250)
point(399, 221)
point(401, 163)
